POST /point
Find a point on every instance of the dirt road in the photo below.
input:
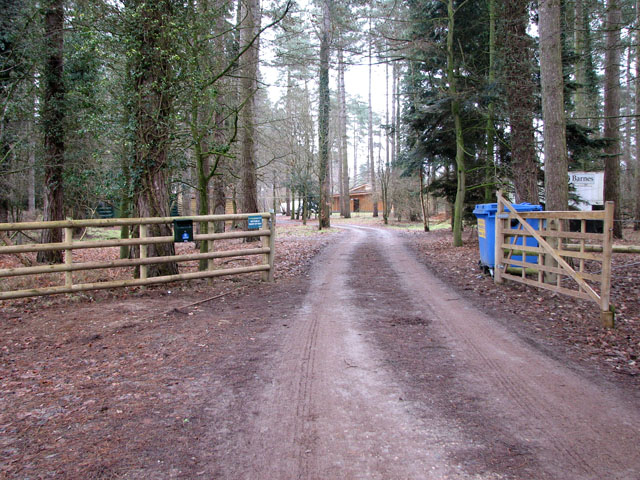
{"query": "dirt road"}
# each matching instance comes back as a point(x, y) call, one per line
point(367, 368)
point(385, 373)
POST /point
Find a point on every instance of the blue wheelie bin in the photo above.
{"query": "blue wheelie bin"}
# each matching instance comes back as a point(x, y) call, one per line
point(486, 215)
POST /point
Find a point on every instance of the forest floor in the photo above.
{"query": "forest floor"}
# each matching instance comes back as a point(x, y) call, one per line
point(357, 363)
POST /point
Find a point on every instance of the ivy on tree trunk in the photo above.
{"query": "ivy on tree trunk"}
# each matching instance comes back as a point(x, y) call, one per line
point(248, 86)
point(153, 80)
point(323, 120)
point(53, 115)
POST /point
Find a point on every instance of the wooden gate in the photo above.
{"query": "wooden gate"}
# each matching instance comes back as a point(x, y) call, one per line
point(539, 249)
point(67, 269)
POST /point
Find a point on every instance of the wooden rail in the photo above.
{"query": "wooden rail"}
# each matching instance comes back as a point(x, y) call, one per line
point(68, 245)
point(561, 261)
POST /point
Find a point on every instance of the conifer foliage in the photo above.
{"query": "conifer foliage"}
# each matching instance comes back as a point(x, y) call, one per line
point(214, 105)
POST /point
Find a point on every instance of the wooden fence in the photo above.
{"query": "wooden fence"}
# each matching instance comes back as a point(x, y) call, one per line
point(575, 263)
point(69, 244)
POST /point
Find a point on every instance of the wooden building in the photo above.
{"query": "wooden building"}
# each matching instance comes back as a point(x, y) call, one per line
point(360, 199)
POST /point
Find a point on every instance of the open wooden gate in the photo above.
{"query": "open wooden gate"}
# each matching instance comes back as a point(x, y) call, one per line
point(575, 263)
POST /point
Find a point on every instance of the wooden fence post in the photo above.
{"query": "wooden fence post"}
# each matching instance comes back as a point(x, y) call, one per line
point(497, 261)
point(608, 316)
point(270, 242)
point(553, 224)
point(210, 229)
point(144, 249)
point(68, 257)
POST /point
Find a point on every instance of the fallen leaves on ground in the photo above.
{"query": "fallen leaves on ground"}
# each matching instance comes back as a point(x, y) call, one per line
point(98, 384)
point(561, 320)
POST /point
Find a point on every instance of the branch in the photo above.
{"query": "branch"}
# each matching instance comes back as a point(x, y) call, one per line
point(231, 140)
point(248, 46)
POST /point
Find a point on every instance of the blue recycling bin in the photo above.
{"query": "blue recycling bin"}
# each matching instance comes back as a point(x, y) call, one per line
point(486, 215)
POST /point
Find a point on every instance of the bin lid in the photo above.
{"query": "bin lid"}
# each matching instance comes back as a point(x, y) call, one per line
point(485, 208)
point(492, 208)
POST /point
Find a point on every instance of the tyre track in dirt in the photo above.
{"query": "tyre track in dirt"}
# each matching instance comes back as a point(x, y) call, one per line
point(332, 411)
point(474, 400)
point(577, 429)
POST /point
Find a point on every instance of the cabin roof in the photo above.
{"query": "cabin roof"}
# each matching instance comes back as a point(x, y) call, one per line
point(362, 189)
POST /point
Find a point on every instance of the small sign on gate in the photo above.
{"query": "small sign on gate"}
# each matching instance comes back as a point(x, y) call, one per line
point(254, 222)
point(182, 231)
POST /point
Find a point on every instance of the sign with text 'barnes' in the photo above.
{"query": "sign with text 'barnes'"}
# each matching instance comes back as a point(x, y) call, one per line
point(588, 188)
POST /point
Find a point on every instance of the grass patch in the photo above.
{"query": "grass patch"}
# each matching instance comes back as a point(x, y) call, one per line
point(358, 217)
point(440, 226)
point(419, 226)
point(407, 226)
point(97, 233)
point(301, 231)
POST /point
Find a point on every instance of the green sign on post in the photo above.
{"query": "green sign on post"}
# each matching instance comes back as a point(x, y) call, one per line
point(254, 222)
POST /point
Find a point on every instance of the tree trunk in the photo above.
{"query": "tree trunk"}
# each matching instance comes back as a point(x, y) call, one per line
point(249, 85)
point(588, 100)
point(152, 200)
point(384, 178)
point(519, 89)
point(185, 201)
point(305, 207)
point(294, 206)
point(586, 96)
point(203, 168)
point(396, 112)
point(31, 188)
point(612, 111)
point(125, 199)
point(214, 176)
point(4, 210)
point(341, 153)
point(53, 114)
point(490, 128)
point(339, 165)
point(345, 209)
point(457, 122)
point(554, 132)
point(199, 121)
point(153, 79)
point(395, 129)
point(287, 211)
point(372, 163)
point(636, 225)
point(578, 45)
point(628, 113)
point(355, 154)
point(219, 201)
point(126, 161)
point(274, 198)
point(323, 120)
point(555, 146)
point(423, 205)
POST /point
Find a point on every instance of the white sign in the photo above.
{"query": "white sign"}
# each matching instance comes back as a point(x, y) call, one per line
point(589, 187)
